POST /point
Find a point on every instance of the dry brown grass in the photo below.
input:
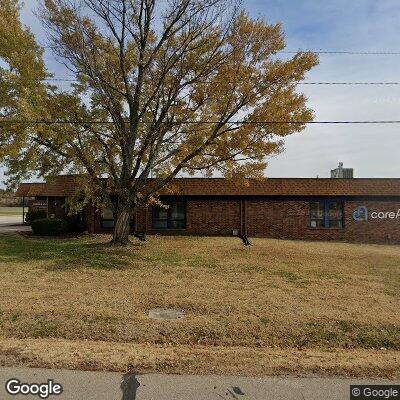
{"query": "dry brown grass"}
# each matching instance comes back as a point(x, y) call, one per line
point(285, 297)
point(142, 358)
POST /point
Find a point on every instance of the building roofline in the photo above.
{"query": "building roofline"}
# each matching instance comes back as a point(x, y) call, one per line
point(66, 185)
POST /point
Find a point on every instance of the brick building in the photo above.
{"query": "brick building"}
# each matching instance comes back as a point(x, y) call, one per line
point(354, 210)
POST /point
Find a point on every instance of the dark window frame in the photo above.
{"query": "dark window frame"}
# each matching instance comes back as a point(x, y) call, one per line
point(169, 218)
point(326, 216)
point(102, 220)
point(112, 220)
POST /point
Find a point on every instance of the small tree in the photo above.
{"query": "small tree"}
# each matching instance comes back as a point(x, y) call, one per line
point(167, 87)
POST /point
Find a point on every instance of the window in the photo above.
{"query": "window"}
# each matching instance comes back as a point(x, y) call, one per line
point(173, 217)
point(326, 214)
point(160, 218)
point(335, 214)
point(317, 213)
point(107, 216)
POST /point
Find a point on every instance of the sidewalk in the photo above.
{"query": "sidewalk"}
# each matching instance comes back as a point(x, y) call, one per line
point(79, 385)
point(12, 224)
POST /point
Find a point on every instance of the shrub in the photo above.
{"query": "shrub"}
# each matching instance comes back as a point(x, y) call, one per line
point(49, 227)
point(75, 225)
point(34, 215)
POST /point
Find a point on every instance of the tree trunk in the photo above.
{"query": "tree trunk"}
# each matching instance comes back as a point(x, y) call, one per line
point(122, 227)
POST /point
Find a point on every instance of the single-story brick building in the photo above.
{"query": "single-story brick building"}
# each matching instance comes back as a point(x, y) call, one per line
point(354, 210)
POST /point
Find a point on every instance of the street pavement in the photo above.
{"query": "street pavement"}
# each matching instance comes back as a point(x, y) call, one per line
point(80, 385)
point(12, 224)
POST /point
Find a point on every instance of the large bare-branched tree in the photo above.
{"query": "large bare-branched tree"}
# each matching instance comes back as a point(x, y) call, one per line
point(163, 87)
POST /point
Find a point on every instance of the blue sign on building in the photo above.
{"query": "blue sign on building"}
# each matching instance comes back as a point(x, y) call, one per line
point(361, 214)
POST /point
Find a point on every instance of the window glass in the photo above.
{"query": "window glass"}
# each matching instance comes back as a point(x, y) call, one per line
point(335, 214)
point(317, 213)
point(108, 213)
point(160, 224)
point(107, 223)
point(161, 213)
point(172, 217)
point(326, 214)
point(160, 218)
point(177, 224)
point(177, 211)
point(107, 217)
point(335, 223)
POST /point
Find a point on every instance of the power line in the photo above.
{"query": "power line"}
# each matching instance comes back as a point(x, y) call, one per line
point(349, 83)
point(65, 122)
point(362, 53)
point(299, 83)
point(321, 51)
point(57, 79)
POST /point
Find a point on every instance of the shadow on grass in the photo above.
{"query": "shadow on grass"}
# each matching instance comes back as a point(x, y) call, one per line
point(62, 254)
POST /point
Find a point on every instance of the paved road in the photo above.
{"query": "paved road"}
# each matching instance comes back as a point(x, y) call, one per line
point(12, 224)
point(78, 385)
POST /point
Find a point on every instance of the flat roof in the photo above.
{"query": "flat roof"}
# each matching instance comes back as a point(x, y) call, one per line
point(67, 185)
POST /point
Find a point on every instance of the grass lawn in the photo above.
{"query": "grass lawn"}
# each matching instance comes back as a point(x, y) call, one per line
point(10, 211)
point(278, 307)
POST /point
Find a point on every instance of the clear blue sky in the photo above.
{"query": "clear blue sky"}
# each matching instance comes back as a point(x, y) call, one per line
point(360, 25)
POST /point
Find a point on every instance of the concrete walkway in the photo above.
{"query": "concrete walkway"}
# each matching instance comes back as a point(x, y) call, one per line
point(12, 224)
point(79, 385)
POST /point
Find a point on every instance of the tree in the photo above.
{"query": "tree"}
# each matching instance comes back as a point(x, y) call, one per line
point(22, 92)
point(163, 88)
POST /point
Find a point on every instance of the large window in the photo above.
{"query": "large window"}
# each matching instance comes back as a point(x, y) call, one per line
point(173, 217)
point(107, 216)
point(326, 214)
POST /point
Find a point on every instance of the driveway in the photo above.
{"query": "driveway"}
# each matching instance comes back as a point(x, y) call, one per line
point(78, 385)
point(12, 224)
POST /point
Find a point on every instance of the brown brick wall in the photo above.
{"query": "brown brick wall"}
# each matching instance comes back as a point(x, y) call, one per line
point(140, 217)
point(278, 219)
point(373, 230)
point(285, 219)
point(203, 217)
point(290, 220)
point(213, 217)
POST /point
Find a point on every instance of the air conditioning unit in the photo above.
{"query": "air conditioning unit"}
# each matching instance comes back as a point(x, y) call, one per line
point(342, 173)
